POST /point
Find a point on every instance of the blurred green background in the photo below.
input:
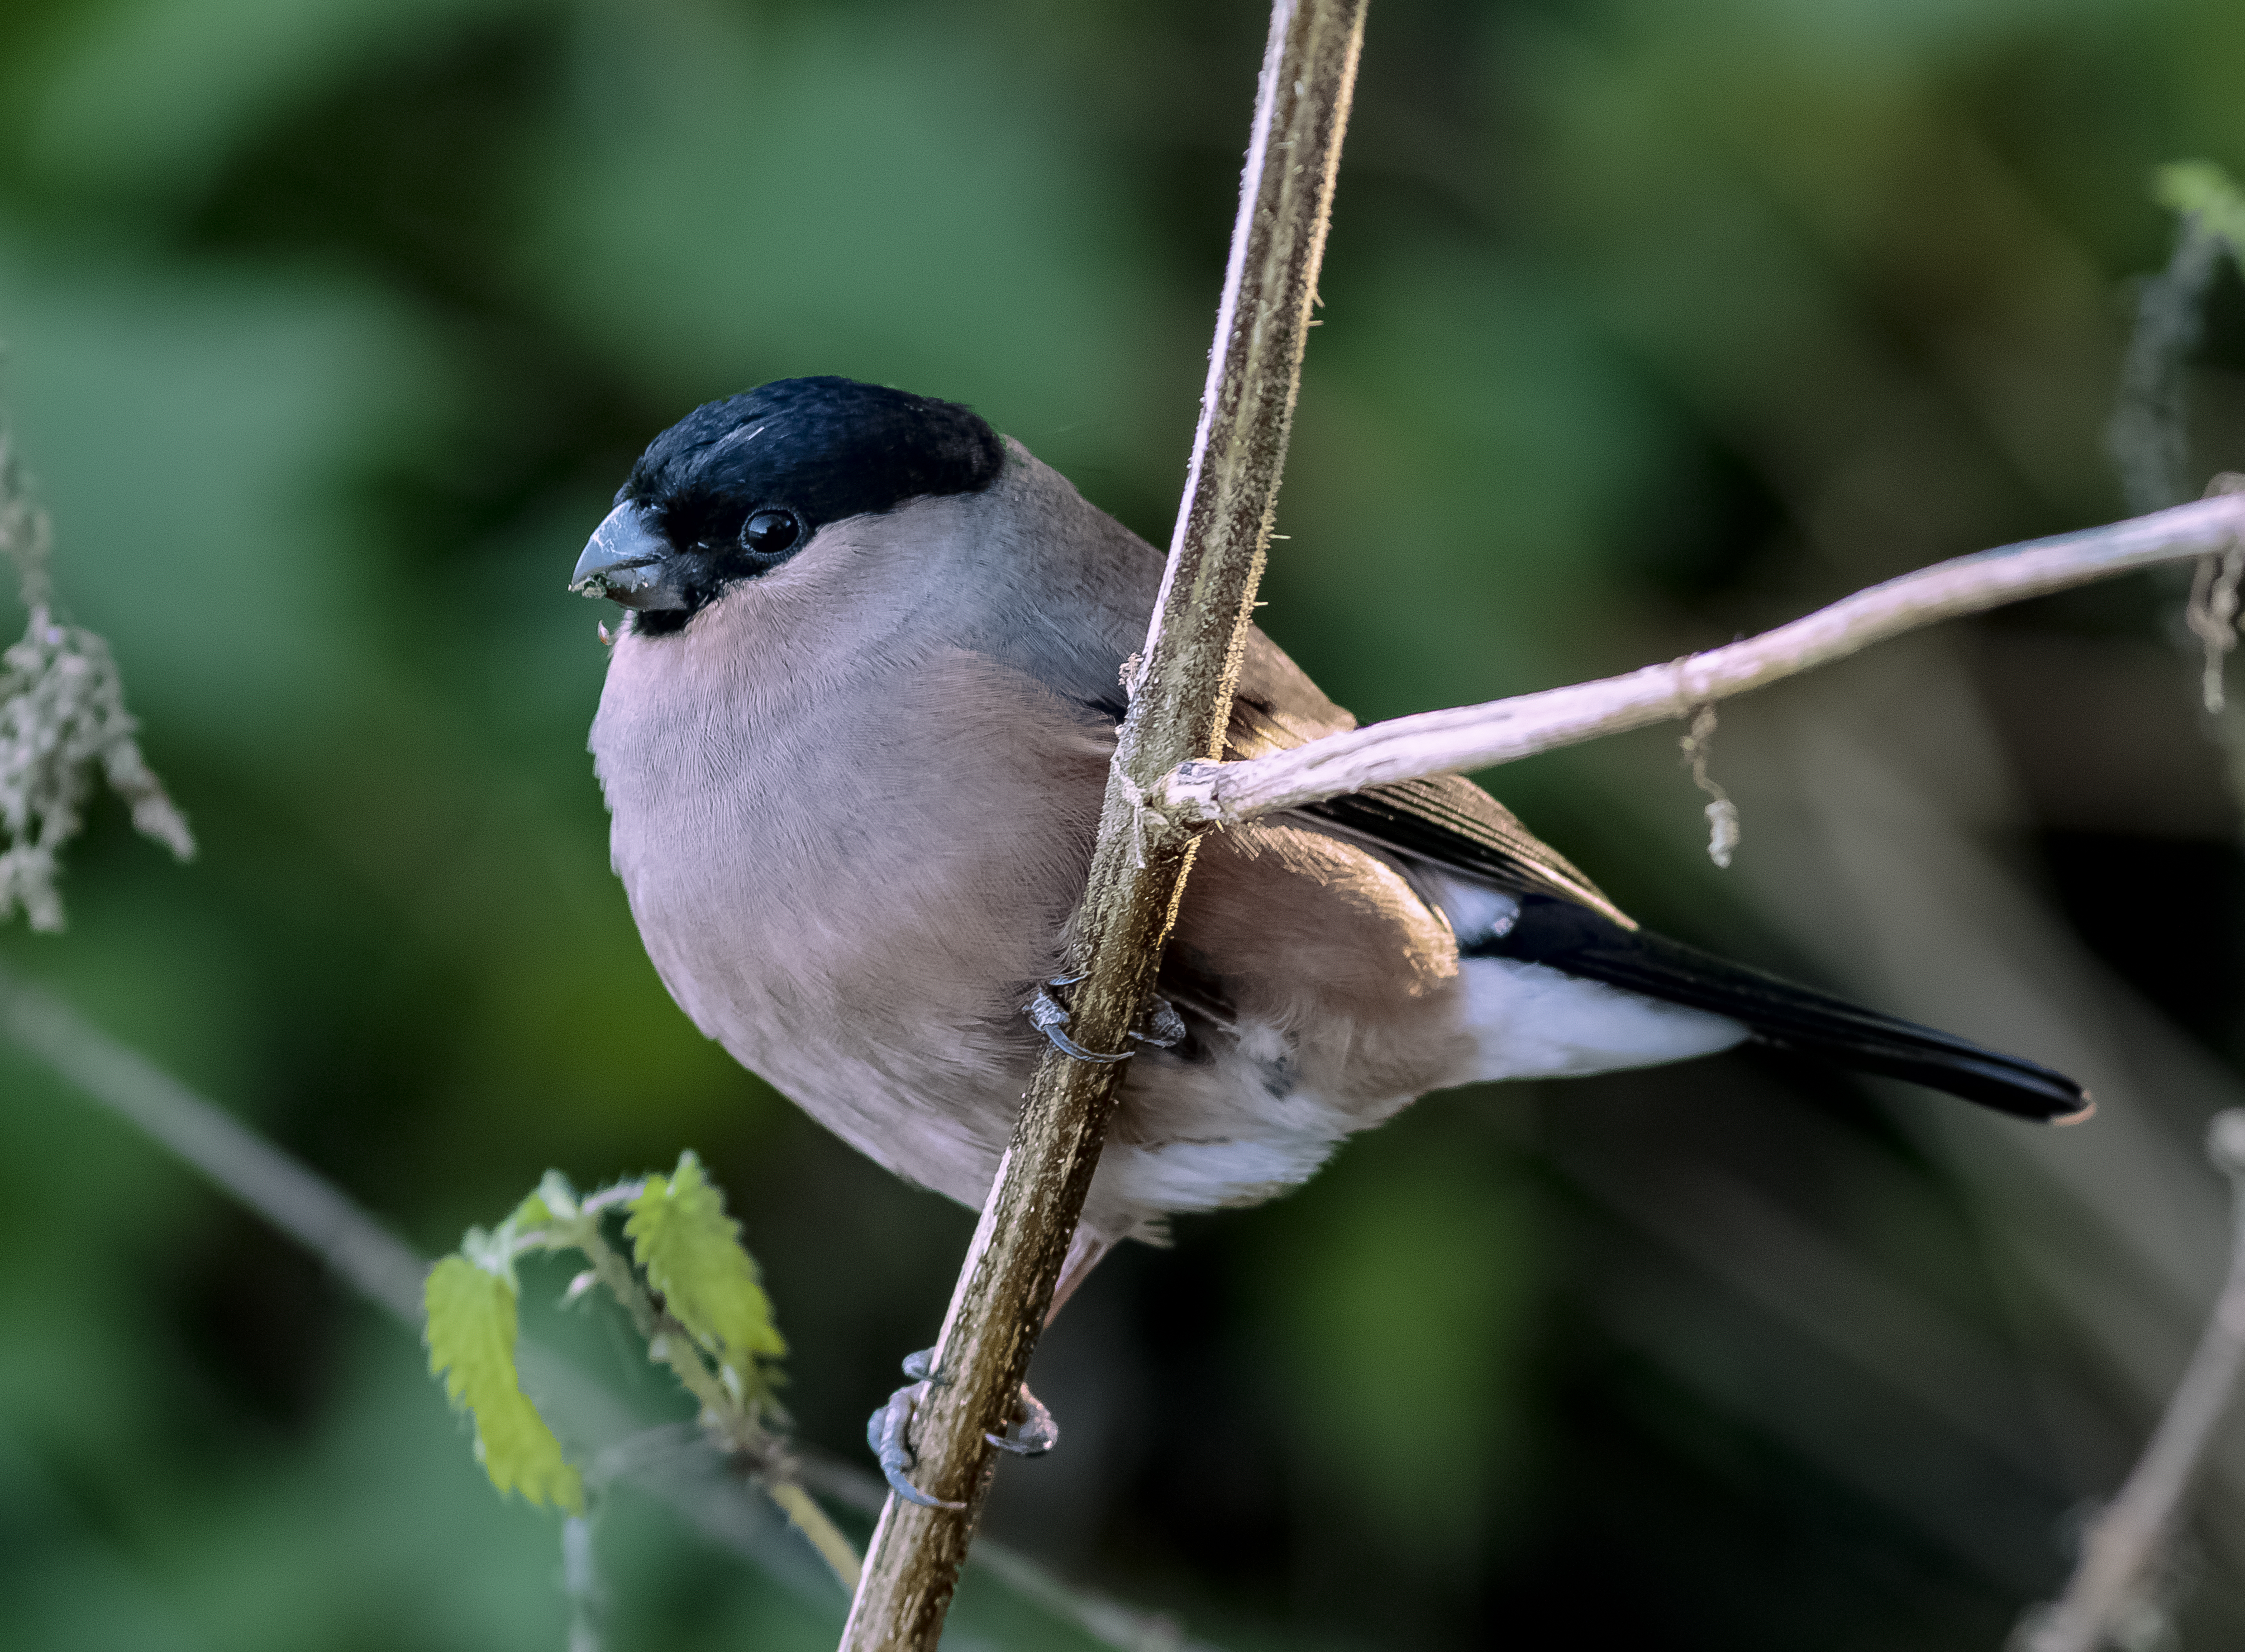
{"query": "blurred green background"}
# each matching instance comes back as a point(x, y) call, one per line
point(330, 327)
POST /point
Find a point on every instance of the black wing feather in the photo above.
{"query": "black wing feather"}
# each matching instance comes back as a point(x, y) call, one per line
point(1580, 942)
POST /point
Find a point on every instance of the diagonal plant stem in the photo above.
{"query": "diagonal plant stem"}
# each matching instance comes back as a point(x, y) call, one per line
point(1503, 731)
point(289, 1196)
point(2121, 1551)
point(1180, 697)
point(387, 1272)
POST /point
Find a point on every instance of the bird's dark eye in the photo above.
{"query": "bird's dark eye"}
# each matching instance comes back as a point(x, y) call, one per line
point(769, 533)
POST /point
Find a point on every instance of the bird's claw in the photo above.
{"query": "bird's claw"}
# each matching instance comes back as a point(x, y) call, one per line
point(1164, 1026)
point(1048, 1016)
point(1033, 1432)
point(889, 1432)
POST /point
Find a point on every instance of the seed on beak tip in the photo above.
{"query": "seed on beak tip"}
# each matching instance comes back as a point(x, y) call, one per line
point(607, 637)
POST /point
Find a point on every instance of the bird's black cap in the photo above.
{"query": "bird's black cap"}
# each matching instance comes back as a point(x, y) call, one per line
point(818, 449)
point(825, 448)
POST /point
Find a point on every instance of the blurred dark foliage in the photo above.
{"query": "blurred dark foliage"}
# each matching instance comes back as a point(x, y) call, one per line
point(332, 325)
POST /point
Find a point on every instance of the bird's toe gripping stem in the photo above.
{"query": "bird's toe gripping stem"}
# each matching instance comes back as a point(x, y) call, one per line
point(1163, 1026)
point(889, 1432)
point(1031, 1434)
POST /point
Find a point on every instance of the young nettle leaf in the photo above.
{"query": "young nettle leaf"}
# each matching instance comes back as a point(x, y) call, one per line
point(691, 1251)
point(470, 1336)
point(555, 1197)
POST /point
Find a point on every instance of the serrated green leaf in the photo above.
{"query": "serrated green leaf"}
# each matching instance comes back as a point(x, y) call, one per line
point(555, 1201)
point(492, 1252)
point(471, 1337)
point(557, 1195)
point(691, 1250)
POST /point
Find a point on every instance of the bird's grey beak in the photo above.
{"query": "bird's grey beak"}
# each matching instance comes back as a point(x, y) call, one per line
point(625, 562)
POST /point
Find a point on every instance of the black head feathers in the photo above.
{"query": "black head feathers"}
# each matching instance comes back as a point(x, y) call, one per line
point(825, 448)
point(739, 486)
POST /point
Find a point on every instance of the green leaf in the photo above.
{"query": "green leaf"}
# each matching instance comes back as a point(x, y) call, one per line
point(691, 1250)
point(493, 1252)
point(555, 1201)
point(471, 1337)
point(556, 1195)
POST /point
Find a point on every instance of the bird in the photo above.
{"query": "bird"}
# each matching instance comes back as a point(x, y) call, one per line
point(853, 739)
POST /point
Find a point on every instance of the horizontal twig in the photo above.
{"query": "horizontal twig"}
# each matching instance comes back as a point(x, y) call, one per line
point(1503, 731)
point(687, 1475)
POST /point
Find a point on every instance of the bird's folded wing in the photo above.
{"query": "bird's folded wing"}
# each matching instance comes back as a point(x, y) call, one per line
point(1452, 823)
point(1566, 923)
point(1446, 820)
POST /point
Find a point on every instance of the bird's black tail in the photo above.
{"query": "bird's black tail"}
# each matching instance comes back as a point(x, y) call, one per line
point(1581, 942)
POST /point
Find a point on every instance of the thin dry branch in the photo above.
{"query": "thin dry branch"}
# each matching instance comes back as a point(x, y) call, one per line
point(1503, 731)
point(2121, 1552)
point(293, 1198)
point(1181, 700)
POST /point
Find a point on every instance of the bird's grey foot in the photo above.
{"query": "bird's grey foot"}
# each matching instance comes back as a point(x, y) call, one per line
point(889, 1432)
point(1033, 1432)
point(1049, 1015)
point(1164, 1028)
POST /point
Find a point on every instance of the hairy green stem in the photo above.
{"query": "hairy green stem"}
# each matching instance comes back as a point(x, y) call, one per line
point(1181, 700)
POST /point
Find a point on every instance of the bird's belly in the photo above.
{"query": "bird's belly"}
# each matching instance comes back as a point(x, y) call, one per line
point(1255, 1139)
point(915, 1099)
point(1252, 1146)
point(864, 936)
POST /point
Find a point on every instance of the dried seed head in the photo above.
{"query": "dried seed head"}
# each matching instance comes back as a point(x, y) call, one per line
point(63, 724)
